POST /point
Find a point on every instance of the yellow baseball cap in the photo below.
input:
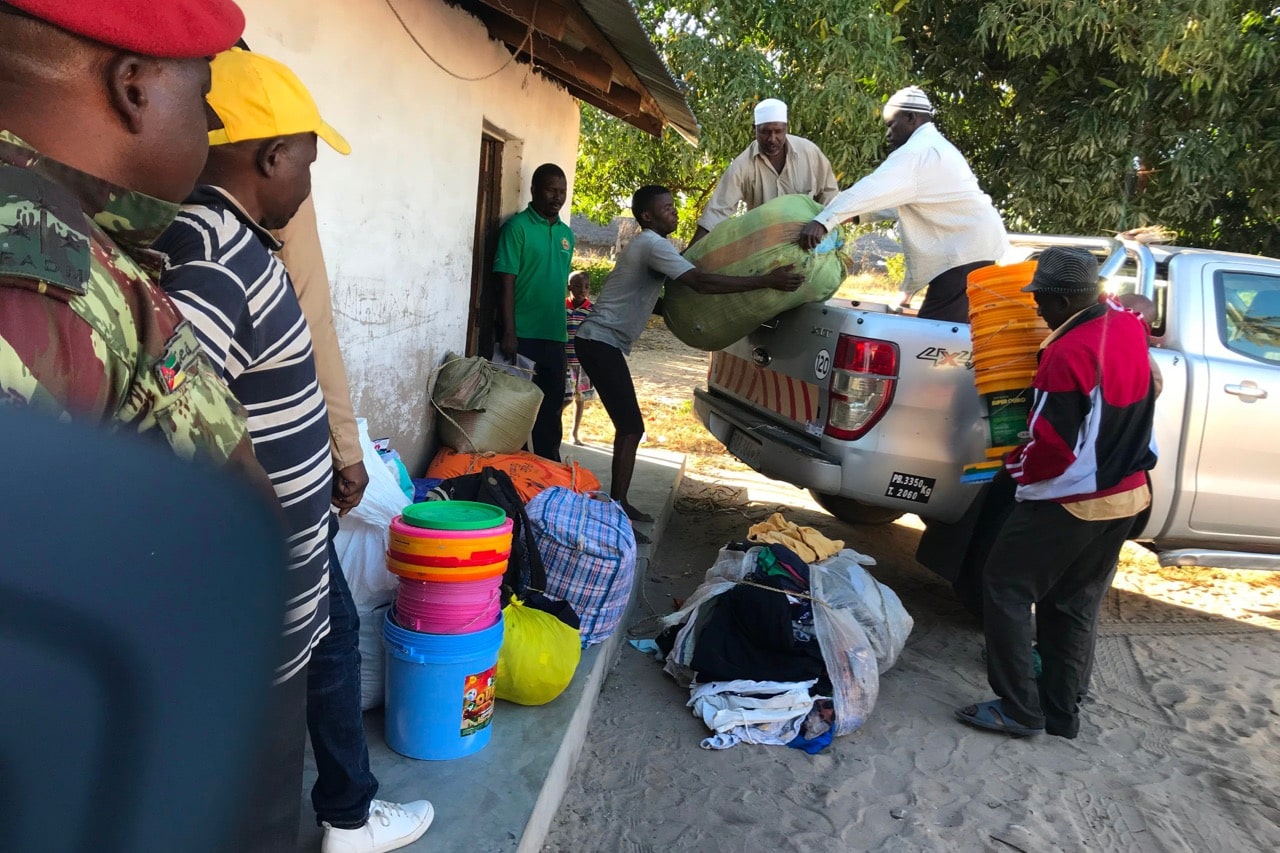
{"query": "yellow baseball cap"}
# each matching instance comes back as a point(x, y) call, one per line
point(257, 97)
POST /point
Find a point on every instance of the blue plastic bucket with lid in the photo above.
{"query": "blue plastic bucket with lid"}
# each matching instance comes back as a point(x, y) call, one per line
point(440, 690)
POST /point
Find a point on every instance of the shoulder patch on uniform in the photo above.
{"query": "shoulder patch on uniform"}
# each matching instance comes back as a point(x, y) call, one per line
point(180, 352)
point(44, 234)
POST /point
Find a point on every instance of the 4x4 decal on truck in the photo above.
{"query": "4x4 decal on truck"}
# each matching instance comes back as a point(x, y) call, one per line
point(942, 357)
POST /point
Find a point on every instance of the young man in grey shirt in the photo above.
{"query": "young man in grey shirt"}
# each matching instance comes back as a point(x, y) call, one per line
point(619, 316)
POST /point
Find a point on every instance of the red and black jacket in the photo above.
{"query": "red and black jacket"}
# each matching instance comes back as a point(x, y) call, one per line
point(1091, 415)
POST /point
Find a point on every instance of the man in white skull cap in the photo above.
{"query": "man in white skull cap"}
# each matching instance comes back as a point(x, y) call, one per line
point(775, 164)
point(947, 223)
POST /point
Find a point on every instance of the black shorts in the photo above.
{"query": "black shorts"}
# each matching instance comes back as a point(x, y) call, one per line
point(607, 367)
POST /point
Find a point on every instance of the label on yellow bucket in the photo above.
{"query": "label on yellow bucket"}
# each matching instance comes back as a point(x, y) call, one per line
point(477, 700)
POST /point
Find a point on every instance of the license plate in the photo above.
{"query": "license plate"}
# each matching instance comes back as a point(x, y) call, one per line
point(746, 448)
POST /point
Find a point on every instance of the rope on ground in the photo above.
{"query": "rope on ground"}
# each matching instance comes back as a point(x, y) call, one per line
point(634, 631)
point(719, 498)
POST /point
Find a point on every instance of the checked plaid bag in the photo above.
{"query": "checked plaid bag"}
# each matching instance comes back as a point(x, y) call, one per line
point(589, 551)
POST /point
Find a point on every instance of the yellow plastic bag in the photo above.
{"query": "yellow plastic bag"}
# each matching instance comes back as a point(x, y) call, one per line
point(538, 658)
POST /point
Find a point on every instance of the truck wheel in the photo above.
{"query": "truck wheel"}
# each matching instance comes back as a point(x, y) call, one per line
point(855, 512)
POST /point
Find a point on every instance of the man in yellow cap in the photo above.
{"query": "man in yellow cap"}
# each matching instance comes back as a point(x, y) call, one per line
point(225, 277)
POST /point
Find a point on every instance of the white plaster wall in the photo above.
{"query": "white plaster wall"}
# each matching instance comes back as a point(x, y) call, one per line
point(397, 217)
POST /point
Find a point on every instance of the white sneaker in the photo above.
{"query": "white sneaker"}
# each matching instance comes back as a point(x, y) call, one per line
point(390, 827)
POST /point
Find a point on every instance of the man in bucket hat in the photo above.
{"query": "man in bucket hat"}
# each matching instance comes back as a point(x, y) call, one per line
point(947, 223)
point(223, 274)
point(1081, 479)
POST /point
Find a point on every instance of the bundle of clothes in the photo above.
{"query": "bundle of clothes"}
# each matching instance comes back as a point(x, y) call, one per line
point(784, 641)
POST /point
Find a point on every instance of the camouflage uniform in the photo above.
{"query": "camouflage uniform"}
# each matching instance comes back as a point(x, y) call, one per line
point(85, 332)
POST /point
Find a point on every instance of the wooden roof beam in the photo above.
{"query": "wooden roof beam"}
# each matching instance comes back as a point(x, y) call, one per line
point(546, 16)
point(595, 40)
point(584, 65)
point(650, 124)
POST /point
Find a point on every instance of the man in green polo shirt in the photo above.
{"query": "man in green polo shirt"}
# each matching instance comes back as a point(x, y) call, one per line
point(532, 268)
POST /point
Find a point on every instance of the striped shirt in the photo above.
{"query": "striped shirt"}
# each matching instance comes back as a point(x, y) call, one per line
point(223, 276)
point(573, 319)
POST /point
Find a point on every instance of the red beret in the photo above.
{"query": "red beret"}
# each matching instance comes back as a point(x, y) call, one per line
point(175, 29)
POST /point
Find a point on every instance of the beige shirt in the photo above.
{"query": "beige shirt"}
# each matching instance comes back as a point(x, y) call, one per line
point(1119, 505)
point(304, 260)
point(752, 179)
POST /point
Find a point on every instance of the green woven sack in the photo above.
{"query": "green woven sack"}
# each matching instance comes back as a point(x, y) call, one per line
point(756, 242)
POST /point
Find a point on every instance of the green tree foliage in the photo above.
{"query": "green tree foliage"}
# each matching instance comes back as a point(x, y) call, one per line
point(1095, 115)
point(831, 63)
point(1079, 116)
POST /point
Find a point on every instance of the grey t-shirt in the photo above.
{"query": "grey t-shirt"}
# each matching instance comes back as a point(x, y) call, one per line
point(632, 289)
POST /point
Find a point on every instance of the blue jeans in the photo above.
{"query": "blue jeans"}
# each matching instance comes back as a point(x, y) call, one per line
point(345, 785)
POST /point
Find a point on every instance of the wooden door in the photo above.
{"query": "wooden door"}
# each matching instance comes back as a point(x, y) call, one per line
point(483, 311)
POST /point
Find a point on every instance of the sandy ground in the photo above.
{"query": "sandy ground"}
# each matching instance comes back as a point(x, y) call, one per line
point(1178, 750)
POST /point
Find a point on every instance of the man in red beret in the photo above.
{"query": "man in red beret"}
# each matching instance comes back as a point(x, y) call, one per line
point(103, 132)
point(98, 141)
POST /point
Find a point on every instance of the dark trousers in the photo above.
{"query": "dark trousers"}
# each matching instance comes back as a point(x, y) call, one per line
point(1061, 564)
point(948, 296)
point(1139, 524)
point(607, 368)
point(549, 363)
point(274, 812)
point(344, 785)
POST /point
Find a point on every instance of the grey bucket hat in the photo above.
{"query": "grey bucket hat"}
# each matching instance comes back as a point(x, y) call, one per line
point(1065, 270)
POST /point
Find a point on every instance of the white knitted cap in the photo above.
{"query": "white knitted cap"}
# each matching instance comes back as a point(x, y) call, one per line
point(769, 110)
point(911, 99)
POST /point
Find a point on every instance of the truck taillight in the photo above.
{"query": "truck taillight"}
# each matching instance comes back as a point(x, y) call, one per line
point(862, 381)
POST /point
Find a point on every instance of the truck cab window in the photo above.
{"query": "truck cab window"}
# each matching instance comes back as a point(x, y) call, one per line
point(1248, 311)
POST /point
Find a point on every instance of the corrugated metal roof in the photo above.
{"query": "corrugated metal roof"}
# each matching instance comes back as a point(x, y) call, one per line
point(618, 21)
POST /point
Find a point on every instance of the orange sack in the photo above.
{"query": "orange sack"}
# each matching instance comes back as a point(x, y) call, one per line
point(530, 474)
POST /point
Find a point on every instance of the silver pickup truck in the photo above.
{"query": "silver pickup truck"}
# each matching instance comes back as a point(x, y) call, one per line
point(876, 413)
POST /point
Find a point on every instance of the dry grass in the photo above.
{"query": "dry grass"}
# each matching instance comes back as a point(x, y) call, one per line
point(665, 372)
point(669, 426)
point(866, 284)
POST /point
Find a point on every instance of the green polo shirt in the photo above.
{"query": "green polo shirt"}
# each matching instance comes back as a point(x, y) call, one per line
point(537, 251)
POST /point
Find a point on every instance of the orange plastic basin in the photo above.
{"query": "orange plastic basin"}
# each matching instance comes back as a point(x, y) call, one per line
point(398, 565)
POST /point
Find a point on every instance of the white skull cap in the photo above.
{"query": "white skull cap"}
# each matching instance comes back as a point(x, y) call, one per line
point(770, 110)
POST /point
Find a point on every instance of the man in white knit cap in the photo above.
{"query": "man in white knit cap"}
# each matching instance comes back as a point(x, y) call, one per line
point(775, 164)
point(947, 223)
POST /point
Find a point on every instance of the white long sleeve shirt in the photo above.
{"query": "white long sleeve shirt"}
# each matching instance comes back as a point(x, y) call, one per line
point(944, 217)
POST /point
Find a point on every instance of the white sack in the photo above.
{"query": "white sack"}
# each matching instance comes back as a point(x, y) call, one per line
point(877, 608)
point(373, 657)
point(364, 533)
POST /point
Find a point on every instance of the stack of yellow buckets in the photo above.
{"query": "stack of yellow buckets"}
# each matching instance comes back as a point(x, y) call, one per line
point(1007, 334)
